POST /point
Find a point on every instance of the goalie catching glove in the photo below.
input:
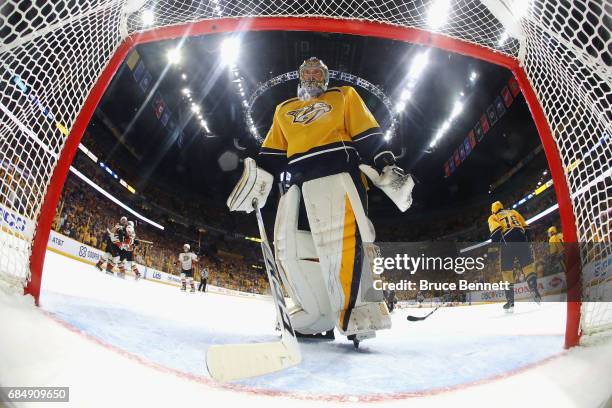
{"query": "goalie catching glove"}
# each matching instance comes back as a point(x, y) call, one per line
point(393, 182)
point(255, 183)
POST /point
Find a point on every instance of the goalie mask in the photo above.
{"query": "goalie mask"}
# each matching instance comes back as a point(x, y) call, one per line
point(314, 77)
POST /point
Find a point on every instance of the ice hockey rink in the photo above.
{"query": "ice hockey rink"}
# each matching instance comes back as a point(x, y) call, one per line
point(120, 342)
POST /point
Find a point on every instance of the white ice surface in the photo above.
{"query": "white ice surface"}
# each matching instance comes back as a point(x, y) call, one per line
point(119, 343)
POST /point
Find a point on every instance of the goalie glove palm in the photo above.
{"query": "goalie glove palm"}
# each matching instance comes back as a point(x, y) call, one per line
point(393, 182)
point(255, 183)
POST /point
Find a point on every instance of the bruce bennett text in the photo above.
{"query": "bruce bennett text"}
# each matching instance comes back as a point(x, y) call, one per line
point(424, 284)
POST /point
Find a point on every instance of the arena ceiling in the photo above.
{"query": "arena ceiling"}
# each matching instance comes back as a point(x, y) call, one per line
point(188, 160)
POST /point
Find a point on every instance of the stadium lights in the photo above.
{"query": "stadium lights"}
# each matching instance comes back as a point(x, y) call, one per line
point(418, 64)
point(195, 108)
point(147, 17)
point(545, 172)
point(174, 56)
point(230, 49)
point(387, 135)
point(184, 77)
point(445, 126)
point(113, 199)
point(186, 91)
point(406, 94)
point(399, 107)
point(457, 108)
point(473, 76)
point(438, 13)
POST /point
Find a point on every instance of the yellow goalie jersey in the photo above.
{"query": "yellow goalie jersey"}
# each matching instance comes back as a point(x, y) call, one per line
point(322, 136)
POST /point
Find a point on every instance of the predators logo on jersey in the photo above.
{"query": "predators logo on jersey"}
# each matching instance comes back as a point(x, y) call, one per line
point(309, 113)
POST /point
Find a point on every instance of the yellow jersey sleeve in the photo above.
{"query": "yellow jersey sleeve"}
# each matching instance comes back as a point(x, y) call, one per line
point(358, 117)
point(275, 139)
point(494, 223)
point(365, 131)
point(519, 218)
point(273, 153)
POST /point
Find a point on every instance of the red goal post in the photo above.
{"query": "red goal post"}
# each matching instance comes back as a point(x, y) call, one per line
point(471, 31)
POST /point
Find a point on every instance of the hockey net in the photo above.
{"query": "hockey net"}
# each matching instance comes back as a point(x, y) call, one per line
point(57, 58)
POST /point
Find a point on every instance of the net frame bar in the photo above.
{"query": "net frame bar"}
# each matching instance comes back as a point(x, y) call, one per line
point(316, 24)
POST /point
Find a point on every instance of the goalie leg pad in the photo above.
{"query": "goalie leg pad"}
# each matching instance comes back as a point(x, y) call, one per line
point(299, 268)
point(368, 317)
point(338, 223)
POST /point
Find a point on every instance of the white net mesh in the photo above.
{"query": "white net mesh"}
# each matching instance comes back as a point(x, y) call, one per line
point(52, 54)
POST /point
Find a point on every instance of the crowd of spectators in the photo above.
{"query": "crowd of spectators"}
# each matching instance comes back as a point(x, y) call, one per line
point(85, 215)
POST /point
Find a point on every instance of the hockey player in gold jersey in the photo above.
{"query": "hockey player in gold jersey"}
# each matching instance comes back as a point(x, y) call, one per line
point(554, 237)
point(326, 140)
point(555, 249)
point(508, 228)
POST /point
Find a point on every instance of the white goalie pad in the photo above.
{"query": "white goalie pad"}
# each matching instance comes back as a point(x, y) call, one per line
point(333, 230)
point(298, 264)
point(326, 199)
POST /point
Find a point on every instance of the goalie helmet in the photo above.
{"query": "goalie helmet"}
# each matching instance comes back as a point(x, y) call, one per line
point(186, 247)
point(552, 231)
point(123, 220)
point(309, 86)
point(496, 207)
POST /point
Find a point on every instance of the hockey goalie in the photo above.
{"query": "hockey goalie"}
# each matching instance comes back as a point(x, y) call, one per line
point(326, 140)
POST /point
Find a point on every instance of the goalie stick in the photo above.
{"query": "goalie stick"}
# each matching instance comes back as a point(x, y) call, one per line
point(418, 319)
point(238, 361)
